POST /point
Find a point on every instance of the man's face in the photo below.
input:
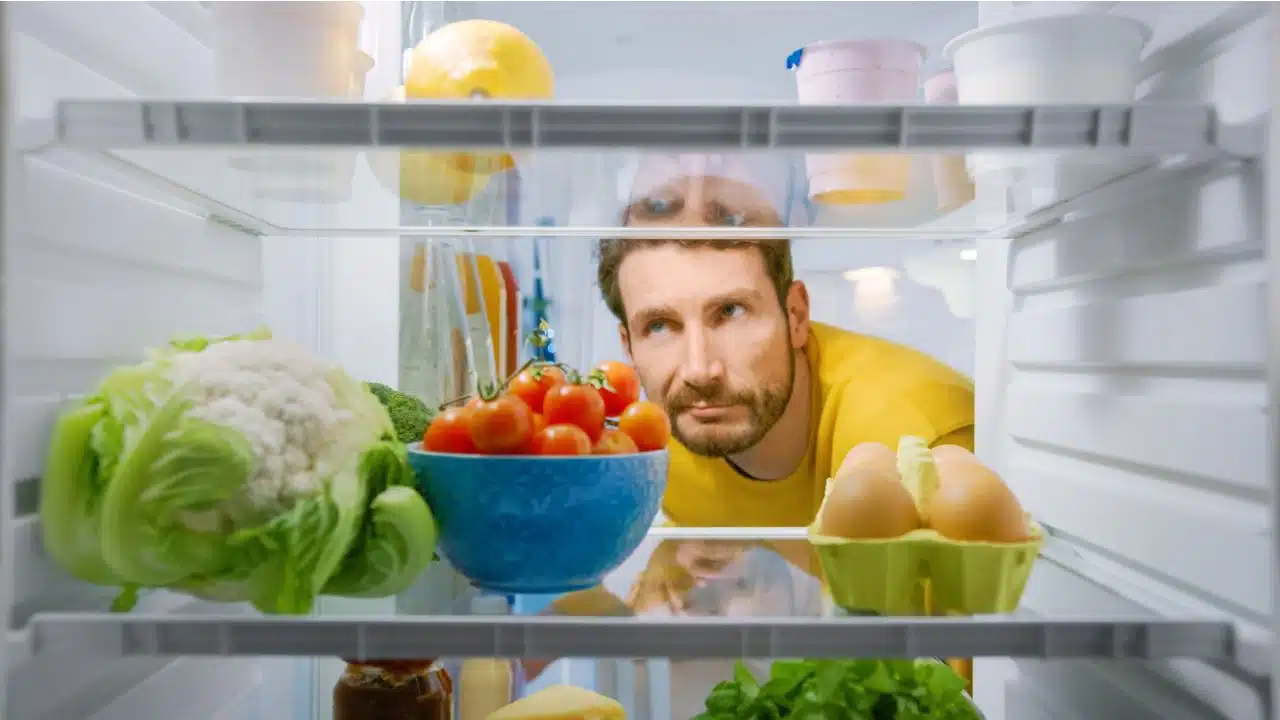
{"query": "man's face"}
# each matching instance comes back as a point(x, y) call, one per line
point(704, 326)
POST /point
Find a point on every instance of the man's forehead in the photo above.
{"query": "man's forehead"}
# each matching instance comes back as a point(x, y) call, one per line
point(706, 190)
point(753, 180)
point(662, 275)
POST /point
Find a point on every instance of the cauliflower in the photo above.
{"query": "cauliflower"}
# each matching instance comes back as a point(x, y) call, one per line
point(236, 469)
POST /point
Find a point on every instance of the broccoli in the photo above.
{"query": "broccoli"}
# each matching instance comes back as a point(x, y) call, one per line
point(410, 415)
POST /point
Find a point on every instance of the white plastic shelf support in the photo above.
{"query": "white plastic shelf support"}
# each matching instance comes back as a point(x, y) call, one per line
point(1146, 128)
point(688, 638)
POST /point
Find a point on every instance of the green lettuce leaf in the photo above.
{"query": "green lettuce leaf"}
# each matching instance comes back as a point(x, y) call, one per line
point(398, 539)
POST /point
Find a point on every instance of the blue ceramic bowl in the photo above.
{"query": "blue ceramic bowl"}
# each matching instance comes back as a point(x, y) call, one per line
point(535, 525)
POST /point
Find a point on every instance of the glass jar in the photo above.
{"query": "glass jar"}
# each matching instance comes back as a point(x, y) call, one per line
point(393, 690)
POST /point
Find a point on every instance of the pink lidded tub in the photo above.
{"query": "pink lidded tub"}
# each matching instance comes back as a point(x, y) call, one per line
point(858, 72)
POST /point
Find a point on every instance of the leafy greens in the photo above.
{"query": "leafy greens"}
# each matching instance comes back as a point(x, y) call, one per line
point(844, 689)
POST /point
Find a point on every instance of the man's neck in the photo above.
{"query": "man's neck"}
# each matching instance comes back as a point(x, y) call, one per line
point(783, 448)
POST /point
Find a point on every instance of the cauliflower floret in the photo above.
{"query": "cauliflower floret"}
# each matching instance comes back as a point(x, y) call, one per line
point(277, 395)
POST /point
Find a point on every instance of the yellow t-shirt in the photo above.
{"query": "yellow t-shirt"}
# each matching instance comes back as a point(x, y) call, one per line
point(864, 389)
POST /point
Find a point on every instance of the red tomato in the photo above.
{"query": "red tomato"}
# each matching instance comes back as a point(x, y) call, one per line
point(531, 385)
point(573, 404)
point(450, 432)
point(561, 440)
point(539, 424)
point(502, 426)
point(624, 386)
point(647, 424)
point(614, 442)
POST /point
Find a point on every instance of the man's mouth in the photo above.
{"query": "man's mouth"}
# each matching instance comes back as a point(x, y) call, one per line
point(706, 411)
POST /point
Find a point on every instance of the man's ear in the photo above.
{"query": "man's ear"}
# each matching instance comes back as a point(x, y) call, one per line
point(798, 314)
point(625, 338)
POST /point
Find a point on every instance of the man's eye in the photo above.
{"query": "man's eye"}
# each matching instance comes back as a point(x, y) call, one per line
point(732, 310)
point(657, 206)
point(733, 219)
point(655, 326)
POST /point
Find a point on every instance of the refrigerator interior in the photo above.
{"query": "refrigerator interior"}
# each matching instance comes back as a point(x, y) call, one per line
point(1121, 354)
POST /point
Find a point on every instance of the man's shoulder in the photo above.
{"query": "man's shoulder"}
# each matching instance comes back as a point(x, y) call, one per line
point(848, 356)
point(877, 374)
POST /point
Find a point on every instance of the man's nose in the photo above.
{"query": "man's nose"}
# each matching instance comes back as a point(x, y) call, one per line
point(702, 366)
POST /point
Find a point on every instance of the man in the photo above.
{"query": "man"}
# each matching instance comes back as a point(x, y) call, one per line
point(764, 403)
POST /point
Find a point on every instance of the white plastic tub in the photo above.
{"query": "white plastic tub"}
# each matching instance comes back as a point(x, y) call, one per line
point(292, 50)
point(285, 49)
point(1064, 59)
point(859, 72)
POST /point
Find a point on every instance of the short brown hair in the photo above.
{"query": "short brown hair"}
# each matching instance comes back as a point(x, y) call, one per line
point(775, 252)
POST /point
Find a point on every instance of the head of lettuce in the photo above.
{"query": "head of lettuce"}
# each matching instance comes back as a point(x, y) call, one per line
point(239, 469)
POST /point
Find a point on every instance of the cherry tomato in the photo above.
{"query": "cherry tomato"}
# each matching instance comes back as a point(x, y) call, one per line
point(647, 424)
point(574, 404)
point(561, 440)
point(531, 385)
point(614, 442)
point(502, 426)
point(624, 386)
point(450, 432)
point(539, 424)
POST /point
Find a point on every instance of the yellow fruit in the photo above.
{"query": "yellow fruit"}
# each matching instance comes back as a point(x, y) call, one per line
point(479, 59)
point(562, 702)
point(426, 178)
point(868, 503)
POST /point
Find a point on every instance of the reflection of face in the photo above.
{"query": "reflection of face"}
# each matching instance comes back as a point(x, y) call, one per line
point(705, 329)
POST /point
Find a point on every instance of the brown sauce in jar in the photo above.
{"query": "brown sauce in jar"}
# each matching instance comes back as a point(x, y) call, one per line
point(393, 690)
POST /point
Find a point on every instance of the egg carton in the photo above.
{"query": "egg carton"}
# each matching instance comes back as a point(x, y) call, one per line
point(923, 573)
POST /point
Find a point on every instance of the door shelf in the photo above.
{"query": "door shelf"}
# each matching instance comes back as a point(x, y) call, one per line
point(687, 638)
point(343, 169)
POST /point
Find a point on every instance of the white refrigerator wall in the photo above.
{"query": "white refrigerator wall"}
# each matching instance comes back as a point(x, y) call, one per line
point(95, 271)
point(1122, 391)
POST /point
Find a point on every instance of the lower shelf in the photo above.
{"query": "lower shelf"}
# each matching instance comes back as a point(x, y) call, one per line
point(676, 638)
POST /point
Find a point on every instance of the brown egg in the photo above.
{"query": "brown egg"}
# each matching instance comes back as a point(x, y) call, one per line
point(973, 504)
point(952, 453)
point(868, 503)
point(869, 454)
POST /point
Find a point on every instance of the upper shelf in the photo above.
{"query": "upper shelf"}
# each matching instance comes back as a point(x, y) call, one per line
point(352, 168)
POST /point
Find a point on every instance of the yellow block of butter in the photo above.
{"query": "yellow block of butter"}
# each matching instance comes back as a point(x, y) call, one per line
point(562, 702)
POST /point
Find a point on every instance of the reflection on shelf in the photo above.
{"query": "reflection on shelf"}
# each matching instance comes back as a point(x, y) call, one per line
point(337, 169)
point(747, 592)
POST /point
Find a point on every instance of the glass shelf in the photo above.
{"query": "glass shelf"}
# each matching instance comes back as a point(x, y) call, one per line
point(353, 169)
point(687, 593)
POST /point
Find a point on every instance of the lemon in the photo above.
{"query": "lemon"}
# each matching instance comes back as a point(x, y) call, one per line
point(426, 178)
point(479, 59)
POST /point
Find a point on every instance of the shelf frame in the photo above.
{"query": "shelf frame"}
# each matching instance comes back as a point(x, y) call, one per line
point(524, 126)
point(1179, 133)
point(674, 638)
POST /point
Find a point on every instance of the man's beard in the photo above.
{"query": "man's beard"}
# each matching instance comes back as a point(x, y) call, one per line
point(764, 405)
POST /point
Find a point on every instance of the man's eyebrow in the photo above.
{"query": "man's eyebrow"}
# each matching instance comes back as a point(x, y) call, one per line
point(734, 296)
point(646, 314)
point(752, 214)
